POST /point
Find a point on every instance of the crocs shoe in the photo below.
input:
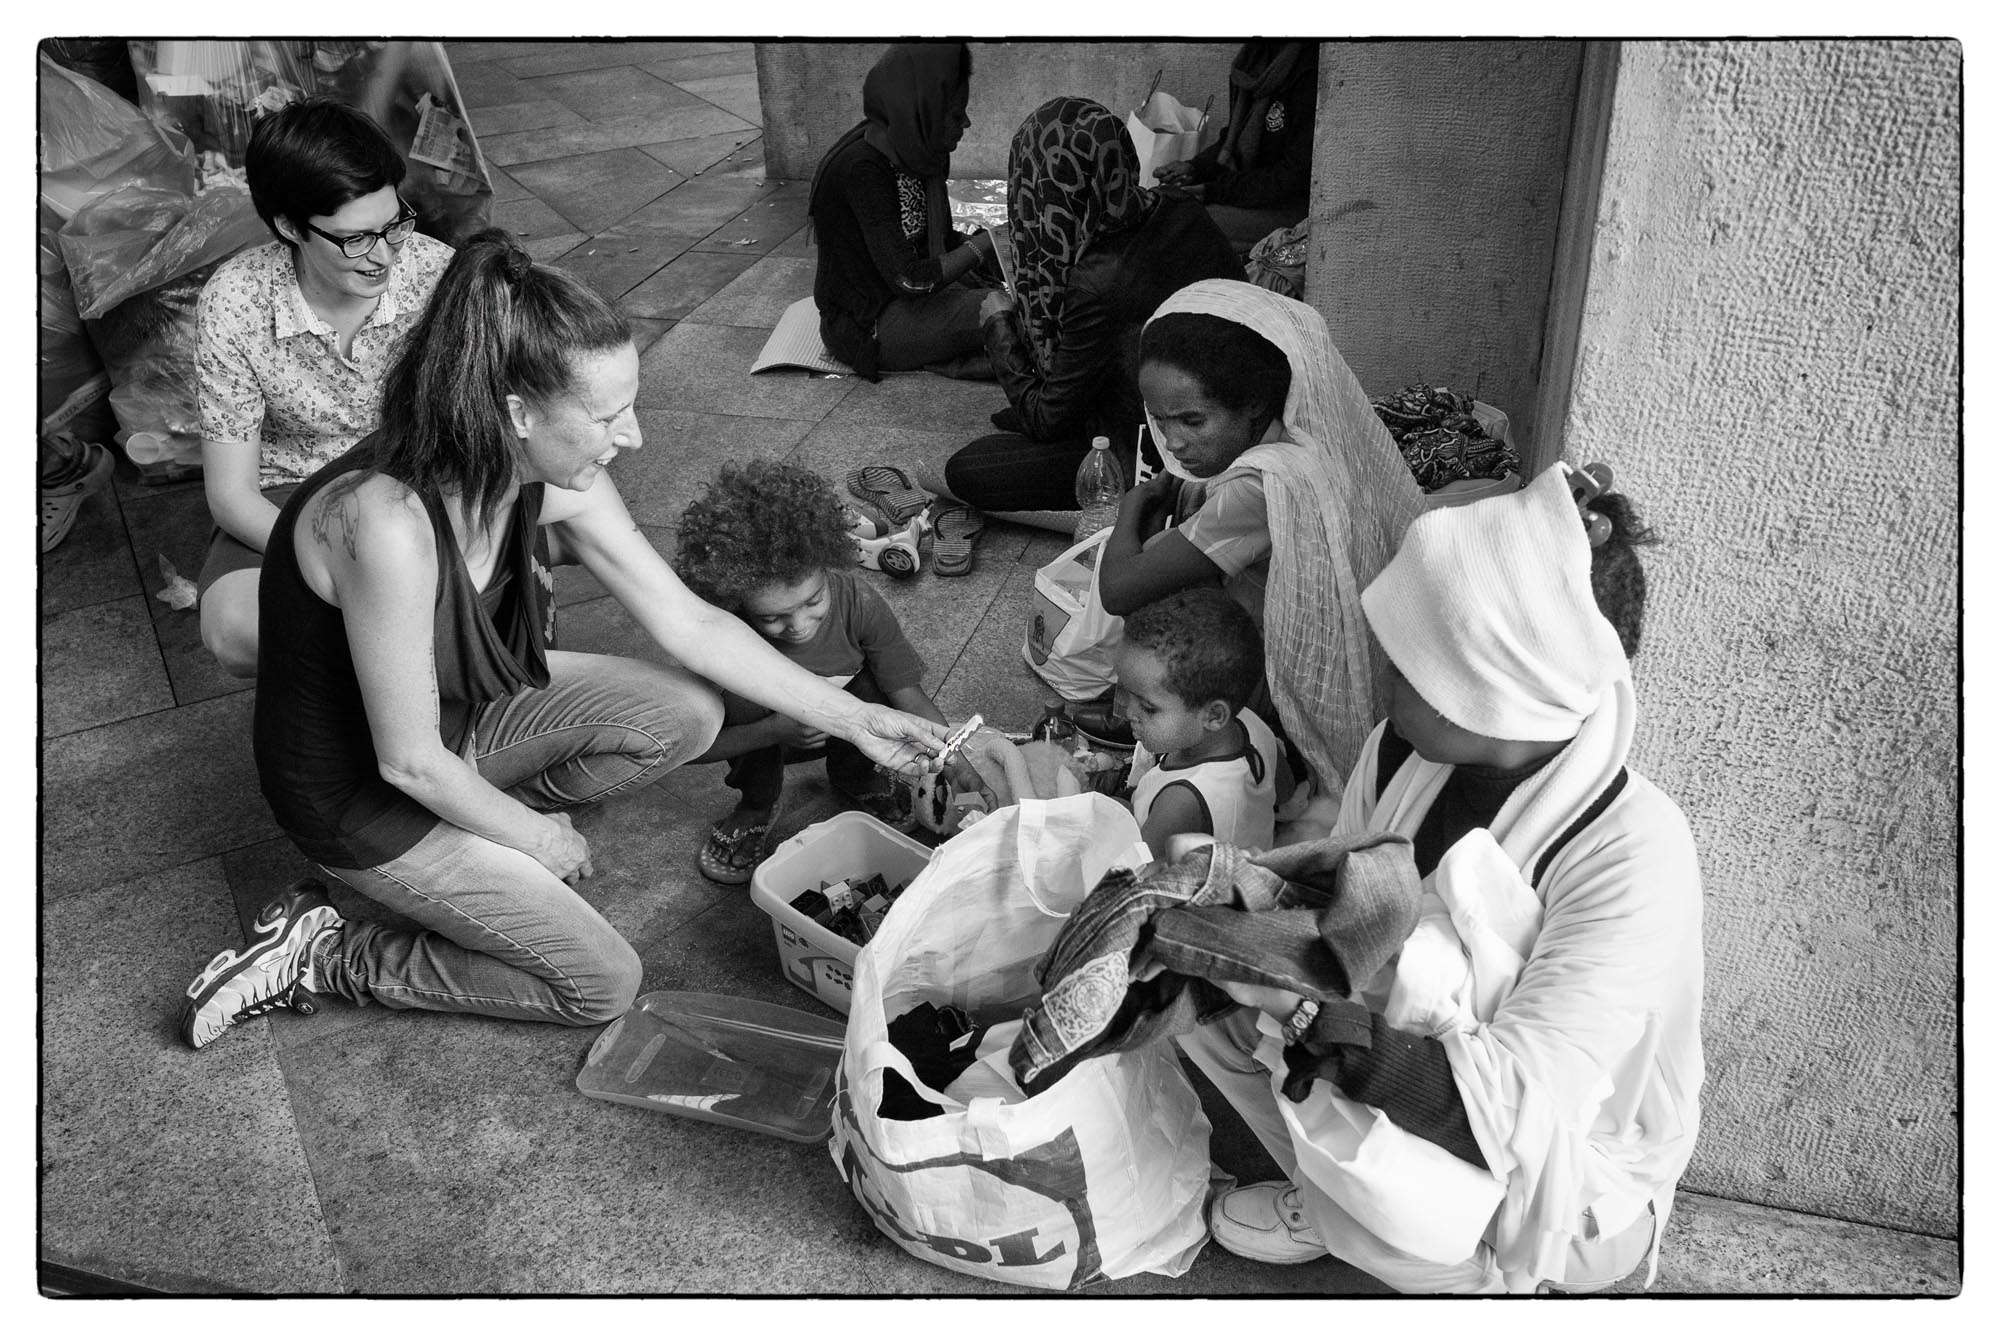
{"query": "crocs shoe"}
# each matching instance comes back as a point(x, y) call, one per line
point(953, 528)
point(61, 501)
point(1265, 1222)
point(890, 490)
point(273, 971)
point(731, 856)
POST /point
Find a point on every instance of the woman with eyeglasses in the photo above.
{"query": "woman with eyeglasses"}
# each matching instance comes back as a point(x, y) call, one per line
point(293, 338)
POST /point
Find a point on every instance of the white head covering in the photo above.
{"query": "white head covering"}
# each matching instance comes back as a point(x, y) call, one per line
point(1487, 610)
point(1338, 496)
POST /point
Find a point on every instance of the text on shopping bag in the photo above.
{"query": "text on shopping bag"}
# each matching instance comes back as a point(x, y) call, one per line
point(1047, 1176)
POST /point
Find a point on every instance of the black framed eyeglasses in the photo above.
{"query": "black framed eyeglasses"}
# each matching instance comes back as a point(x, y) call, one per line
point(357, 244)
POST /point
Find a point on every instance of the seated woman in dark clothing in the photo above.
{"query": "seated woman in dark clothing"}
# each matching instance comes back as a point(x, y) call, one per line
point(1255, 177)
point(897, 288)
point(1094, 254)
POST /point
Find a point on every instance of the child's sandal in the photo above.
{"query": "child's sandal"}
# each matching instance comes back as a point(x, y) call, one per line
point(888, 489)
point(953, 528)
point(730, 857)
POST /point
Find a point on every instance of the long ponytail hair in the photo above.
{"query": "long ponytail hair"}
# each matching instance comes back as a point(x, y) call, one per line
point(498, 324)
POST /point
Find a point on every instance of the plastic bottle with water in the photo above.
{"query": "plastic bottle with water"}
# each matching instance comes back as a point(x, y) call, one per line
point(1100, 484)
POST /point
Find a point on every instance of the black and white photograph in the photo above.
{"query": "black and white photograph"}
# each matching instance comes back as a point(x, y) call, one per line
point(877, 664)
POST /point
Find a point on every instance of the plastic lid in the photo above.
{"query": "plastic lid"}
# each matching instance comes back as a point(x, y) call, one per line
point(730, 1060)
point(1100, 442)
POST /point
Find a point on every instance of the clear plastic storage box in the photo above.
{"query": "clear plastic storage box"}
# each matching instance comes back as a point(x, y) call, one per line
point(729, 1060)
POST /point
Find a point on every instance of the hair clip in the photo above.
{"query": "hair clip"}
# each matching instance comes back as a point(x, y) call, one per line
point(1585, 486)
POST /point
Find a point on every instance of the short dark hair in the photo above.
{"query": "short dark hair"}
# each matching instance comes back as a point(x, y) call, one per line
point(759, 523)
point(1208, 646)
point(1235, 365)
point(309, 158)
point(1617, 578)
point(497, 324)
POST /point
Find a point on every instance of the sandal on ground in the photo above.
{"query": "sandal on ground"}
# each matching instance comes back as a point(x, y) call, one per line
point(953, 528)
point(730, 856)
point(888, 489)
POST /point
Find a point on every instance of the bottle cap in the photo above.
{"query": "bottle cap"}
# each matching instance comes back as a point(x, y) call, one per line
point(1100, 442)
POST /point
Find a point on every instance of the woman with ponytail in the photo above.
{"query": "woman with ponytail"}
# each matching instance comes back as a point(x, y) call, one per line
point(417, 733)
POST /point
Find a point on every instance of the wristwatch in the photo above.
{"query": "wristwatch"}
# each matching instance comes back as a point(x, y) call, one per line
point(1302, 1020)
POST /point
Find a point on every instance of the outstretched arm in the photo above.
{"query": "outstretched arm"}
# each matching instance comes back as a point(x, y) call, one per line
point(710, 642)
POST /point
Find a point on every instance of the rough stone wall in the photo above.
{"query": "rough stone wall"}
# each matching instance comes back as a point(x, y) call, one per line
point(811, 91)
point(1437, 177)
point(1770, 363)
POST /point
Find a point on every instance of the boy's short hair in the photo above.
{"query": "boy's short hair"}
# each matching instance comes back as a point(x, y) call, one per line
point(312, 157)
point(1208, 646)
point(760, 523)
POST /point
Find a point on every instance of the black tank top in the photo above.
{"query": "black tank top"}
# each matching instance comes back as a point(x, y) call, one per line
point(315, 758)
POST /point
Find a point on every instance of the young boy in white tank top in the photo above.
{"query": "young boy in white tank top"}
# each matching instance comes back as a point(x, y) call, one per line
point(1204, 763)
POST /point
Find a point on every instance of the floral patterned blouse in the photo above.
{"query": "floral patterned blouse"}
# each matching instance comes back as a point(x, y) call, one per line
point(269, 368)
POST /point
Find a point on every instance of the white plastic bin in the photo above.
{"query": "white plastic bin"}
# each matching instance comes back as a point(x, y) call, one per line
point(845, 847)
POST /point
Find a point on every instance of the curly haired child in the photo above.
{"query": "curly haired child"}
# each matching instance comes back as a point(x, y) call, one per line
point(769, 542)
point(1204, 762)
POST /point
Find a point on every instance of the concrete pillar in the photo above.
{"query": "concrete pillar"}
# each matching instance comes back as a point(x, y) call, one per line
point(1437, 180)
point(1769, 360)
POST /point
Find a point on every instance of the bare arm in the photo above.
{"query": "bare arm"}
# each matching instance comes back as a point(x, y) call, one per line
point(713, 644)
point(1177, 810)
point(1133, 570)
point(229, 481)
point(375, 543)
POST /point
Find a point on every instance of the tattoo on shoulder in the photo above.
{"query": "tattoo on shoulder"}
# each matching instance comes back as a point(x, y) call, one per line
point(338, 506)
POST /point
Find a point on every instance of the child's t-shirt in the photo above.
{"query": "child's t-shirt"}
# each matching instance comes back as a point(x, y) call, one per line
point(1238, 794)
point(859, 631)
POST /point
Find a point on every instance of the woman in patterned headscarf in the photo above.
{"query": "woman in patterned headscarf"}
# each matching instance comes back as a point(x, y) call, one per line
point(897, 288)
point(1094, 254)
point(1288, 491)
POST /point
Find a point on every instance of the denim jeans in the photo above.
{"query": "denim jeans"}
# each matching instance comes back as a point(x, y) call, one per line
point(502, 935)
point(759, 776)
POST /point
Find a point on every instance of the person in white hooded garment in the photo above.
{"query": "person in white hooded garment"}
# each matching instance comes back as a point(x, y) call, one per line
point(1508, 1105)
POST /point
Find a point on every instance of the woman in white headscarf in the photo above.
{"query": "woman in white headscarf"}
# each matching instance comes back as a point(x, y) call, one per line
point(1288, 491)
point(1509, 1104)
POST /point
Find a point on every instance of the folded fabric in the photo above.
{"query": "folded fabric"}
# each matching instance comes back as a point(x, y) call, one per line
point(1090, 1002)
point(1311, 918)
point(1347, 906)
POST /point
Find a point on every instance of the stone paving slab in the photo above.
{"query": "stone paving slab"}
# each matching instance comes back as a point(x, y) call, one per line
point(706, 368)
point(523, 113)
point(778, 213)
point(734, 93)
point(683, 452)
point(595, 190)
point(738, 153)
point(173, 522)
point(108, 663)
point(685, 283)
point(596, 136)
point(564, 57)
point(620, 92)
point(94, 563)
point(706, 67)
point(143, 794)
point(160, 1165)
point(759, 295)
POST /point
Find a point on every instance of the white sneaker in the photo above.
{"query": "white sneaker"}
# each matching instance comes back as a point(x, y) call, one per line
point(1265, 1222)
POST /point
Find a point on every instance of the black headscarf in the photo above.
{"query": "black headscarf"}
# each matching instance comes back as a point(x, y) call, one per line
point(910, 103)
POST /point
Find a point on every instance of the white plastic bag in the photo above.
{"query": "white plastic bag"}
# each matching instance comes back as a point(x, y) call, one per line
point(1164, 129)
point(1071, 638)
point(1100, 1176)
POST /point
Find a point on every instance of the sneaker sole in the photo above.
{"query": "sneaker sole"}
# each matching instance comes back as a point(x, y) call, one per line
point(233, 977)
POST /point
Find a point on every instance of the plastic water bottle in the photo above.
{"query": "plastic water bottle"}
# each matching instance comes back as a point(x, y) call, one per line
point(1100, 483)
